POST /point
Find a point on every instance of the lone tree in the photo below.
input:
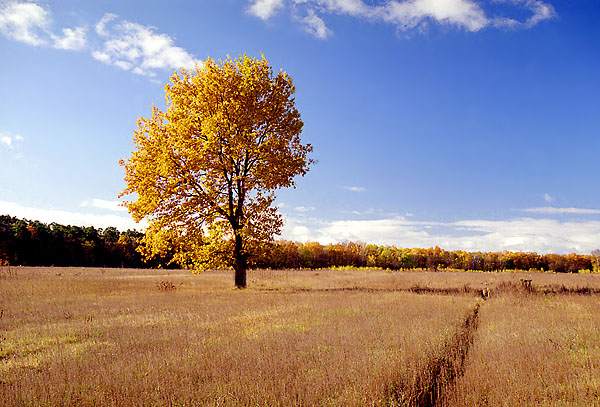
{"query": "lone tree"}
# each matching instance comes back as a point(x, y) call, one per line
point(205, 170)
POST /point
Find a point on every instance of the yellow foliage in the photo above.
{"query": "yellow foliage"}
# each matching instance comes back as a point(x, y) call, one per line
point(205, 170)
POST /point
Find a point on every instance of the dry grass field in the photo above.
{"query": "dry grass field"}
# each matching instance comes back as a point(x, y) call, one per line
point(289, 280)
point(533, 351)
point(72, 336)
point(112, 337)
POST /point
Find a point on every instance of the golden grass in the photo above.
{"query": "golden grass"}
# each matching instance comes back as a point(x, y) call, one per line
point(114, 337)
point(404, 280)
point(72, 336)
point(534, 351)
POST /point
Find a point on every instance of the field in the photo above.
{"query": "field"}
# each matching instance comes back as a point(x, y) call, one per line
point(534, 351)
point(71, 336)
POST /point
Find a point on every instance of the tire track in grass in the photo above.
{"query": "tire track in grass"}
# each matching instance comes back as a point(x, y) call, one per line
point(441, 371)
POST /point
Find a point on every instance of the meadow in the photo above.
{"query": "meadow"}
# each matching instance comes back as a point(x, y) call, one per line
point(536, 351)
point(91, 336)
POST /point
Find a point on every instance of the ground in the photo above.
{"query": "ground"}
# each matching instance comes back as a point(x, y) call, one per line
point(72, 336)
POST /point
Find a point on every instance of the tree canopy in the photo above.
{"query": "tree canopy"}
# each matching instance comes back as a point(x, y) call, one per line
point(205, 170)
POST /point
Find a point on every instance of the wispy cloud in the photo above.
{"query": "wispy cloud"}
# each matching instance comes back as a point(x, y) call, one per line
point(548, 198)
point(540, 11)
point(552, 210)
point(127, 45)
point(373, 213)
point(407, 14)
point(31, 23)
point(49, 215)
point(354, 188)
point(524, 234)
point(304, 209)
point(103, 204)
point(138, 48)
point(315, 26)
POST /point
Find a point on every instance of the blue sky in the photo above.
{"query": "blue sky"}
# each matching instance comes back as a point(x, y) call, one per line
point(462, 123)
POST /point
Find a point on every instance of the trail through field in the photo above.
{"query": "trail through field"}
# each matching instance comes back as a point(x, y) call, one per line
point(441, 372)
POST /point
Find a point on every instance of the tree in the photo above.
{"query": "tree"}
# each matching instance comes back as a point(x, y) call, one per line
point(205, 170)
point(596, 260)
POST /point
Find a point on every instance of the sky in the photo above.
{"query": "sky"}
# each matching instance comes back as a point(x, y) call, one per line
point(461, 123)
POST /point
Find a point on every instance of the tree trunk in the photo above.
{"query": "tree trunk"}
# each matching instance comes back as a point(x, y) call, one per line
point(240, 264)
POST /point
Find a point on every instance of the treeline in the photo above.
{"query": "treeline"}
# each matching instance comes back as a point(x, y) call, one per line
point(285, 254)
point(32, 243)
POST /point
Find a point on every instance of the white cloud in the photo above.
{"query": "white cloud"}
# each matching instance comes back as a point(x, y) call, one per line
point(354, 188)
point(551, 210)
point(30, 23)
point(410, 14)
point(103, 204)
point(24, 22)
point(10, 140)
point(69, 217)
point(72, 39)
point(548, 198)
point(413, 13)
point(6, 140)
point(265, 9)
point(521, 234)
point(315, 26)
point(138, 48)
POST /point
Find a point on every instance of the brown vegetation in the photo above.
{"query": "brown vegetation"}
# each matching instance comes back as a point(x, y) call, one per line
point(149, 337)
point(532, 351)
point(126, 343)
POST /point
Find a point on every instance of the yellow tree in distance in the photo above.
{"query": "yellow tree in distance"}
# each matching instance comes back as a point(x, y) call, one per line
point(204, 171)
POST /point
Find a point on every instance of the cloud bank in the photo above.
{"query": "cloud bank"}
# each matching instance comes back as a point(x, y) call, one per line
point(103, 204)
point(405, 15)
point(519, 234)
point(65, 217)
point(552, 210)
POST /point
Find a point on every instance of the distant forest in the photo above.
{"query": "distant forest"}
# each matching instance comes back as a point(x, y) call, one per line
point(33, 243)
